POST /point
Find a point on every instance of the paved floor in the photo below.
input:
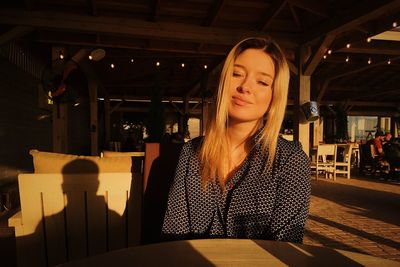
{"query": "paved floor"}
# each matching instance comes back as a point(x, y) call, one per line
point(360, 214)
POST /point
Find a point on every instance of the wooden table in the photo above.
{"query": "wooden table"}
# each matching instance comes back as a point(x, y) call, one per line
point(230, 252)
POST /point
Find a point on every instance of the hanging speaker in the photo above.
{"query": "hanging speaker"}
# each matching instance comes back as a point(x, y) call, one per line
point(310, 110)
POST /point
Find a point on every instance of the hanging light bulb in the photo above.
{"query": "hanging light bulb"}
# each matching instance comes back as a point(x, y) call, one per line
point(324, 56)
point(369, 39)
point(157, 63)
point(389, 62)
point(90, 57)
point(348, 45)
point(394, 24)
point(369, 61)
point(347, 59)
point(61, 55)
point(183, 65)
point(329, 51)
point(132, 60)
point(205, 67)
point(112, 65)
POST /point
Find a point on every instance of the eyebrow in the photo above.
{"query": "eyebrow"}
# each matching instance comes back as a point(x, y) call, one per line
point(262, 73)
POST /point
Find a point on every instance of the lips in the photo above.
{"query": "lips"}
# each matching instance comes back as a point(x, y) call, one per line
point(240, 101)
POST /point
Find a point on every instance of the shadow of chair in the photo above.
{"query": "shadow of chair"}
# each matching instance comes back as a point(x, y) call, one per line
point(71, 215)
point(326, 160)
point(344, 166)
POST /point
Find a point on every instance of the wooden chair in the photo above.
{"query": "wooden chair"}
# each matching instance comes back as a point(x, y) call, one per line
point(344, 166)
point(326, 160)
point(70, 216)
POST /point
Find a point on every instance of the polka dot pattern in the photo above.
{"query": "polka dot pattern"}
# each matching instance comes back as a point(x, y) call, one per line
point(258, 203)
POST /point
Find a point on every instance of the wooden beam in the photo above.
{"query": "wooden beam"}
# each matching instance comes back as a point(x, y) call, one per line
point(94, 126)
point(313, 6)
point(92, 7)
point(361, 103)
point(322, 90)
point(272, 12)
point(155, 10)
point(293, 68)
point(361, 69)
point(135, 28)
point(213, 71)
point(375, 47)
point(213, 14)
point(15, 33)
point(295, 16)
point(352, 18)
point(315, 59)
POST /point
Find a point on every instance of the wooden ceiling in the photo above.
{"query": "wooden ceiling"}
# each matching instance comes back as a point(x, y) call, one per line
point(201, 32)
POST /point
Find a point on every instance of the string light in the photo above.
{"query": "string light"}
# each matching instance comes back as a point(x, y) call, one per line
point(183, 65)
point(389, 62)
point(324, 56)
point(205, 67)
point(132, 60)
point(369, 39)
point(394, 24)
point(90, 57)
point(158, 64)
point(347, 59)
point(112, 65)
point(348, 45)
point(369, 61)
point(61, 55)
point(329, 51)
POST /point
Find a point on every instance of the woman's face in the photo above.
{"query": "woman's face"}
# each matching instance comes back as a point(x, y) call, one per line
point(250, 89)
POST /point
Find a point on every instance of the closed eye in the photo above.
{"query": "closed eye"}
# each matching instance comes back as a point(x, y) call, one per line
point(263, 83)
point(237, 74)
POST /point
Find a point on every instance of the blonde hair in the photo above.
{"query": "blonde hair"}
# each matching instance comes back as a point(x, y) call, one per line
point(214, 150)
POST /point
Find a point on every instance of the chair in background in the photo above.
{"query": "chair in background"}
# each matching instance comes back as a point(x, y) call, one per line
point(344, 166)
point(326, 160)
point(71, 216)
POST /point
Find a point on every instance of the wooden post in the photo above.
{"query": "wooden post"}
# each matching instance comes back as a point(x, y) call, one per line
point(302, 127)
point(60, 128)
point(60, 112)
point(94, 136)
point(107, 125)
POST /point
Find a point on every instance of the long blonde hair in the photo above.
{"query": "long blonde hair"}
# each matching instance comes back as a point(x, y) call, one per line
point(214, 150)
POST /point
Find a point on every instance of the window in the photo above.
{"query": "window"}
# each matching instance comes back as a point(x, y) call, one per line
point(361, 127)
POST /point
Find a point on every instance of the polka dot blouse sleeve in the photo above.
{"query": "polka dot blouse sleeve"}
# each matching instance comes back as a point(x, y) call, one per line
point(293, 198)
point(176, 220)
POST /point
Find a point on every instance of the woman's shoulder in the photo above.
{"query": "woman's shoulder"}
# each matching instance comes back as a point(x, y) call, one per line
point(193, 144)
point(286, 149)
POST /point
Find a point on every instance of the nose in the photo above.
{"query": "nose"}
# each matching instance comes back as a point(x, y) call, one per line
point(245, 86)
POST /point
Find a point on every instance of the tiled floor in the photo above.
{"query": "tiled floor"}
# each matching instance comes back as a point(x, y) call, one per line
point(361, 215)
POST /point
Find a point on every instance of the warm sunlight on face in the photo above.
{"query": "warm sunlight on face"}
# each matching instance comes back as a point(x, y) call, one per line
point(251, 86)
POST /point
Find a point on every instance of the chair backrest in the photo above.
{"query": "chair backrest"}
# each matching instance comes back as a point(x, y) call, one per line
point(347, 153)
point(326, 152)
point(72, 216)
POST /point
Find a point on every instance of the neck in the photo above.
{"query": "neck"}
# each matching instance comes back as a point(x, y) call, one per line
point(240, 133)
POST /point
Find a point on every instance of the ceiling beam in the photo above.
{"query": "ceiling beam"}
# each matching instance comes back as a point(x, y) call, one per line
point(295, 16)
point(272, 12)
point(135, 28)
point(313, 6)
point(361, 69)
point(315, 59)
point(92, 7)
point(373, 48)
point(352, 18)
point(361, 103)
point(214, 13)
point(15, 33)
point(155, 10)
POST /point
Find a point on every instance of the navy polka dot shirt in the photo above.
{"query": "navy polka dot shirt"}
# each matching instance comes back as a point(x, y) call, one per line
point(258, 203)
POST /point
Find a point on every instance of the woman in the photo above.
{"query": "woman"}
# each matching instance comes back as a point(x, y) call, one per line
point(242, 180)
